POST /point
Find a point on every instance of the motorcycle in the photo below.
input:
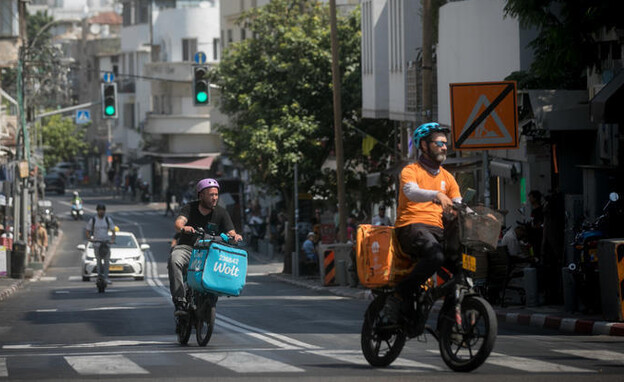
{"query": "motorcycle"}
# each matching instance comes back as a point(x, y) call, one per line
point(77, 211)
point(584, 267)
point(466, 324)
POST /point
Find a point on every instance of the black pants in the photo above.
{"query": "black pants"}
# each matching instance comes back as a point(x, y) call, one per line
point(424, 243)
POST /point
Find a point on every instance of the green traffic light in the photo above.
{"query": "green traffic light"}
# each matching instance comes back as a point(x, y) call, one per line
point(202, 97)
point(110, 110)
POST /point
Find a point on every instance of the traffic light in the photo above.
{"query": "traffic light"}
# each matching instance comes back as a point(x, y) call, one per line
point(201, 93)
point(109, 100)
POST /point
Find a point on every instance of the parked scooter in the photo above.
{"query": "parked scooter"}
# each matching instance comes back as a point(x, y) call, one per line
point(585, 264)
point(77, 211)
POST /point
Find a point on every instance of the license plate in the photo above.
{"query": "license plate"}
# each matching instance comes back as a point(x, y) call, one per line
point(469, 262)
point(115, 268)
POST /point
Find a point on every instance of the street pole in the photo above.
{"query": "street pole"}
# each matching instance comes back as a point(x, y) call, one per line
point(342, 217)
point(295, 257)
point(427, 61)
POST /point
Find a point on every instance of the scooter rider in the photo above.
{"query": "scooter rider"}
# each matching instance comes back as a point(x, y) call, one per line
point(426, 190)
point(196, 214)
point(76, 199)
point(97, 231)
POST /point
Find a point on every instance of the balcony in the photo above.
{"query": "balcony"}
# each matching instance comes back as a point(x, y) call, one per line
point(178, 124)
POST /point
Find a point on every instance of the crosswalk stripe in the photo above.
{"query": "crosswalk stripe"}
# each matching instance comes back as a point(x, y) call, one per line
point(104, 365)
point(4, 372)
point(243, 362)
point(532, 365)
point(355, 357)
point(601, 355)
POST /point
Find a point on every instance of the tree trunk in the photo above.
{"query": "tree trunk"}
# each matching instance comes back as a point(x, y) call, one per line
point(289, 239)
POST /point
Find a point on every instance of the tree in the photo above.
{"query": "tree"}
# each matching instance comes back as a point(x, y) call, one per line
point(276, 89)
point(62, 140)
point(566, 45)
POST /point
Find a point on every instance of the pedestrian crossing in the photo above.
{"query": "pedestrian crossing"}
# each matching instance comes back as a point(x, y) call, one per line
point(306, 361)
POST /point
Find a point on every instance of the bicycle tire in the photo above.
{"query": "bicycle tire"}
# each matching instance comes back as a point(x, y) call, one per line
point(372, 337)
point(183, 330)
point(204, 324)
point(478, 332)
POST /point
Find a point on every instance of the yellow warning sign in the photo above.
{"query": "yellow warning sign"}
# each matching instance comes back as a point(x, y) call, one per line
point(484, 115)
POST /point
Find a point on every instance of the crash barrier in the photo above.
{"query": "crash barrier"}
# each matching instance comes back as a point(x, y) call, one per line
point(329, 277)
point(611, 268)
point(334, 261)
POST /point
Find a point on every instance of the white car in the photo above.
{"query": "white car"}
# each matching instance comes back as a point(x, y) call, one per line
point(127, 258)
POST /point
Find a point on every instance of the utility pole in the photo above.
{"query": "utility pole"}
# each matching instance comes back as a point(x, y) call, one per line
point(427, 61)
point(342, 217)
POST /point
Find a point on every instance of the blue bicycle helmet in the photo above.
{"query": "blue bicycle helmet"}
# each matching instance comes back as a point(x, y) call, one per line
point(425, 130)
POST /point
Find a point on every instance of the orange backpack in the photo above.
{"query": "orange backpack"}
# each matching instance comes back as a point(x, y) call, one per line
point(380, 261)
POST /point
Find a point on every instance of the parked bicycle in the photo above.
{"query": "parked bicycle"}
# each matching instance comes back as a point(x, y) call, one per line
point(466, 326)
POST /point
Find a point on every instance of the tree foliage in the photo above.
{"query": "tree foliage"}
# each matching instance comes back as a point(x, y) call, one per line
point(277, 90)
point(62, 140)
point(567, 41)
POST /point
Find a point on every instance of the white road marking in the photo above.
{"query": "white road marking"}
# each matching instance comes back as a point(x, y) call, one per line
point(104, 365)
point(601, 355)
point(531, 365)
point(112, 308)
point(74, 278)
point(90, 345)
point(46, 310)
point(4, 372)
point(243, 362)
point(45, 278)
point(355, 357)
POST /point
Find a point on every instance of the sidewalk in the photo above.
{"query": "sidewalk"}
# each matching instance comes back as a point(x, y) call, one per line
point(551, 317)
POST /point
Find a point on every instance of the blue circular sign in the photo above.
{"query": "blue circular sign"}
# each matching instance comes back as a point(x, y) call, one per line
point(108, 77)
point(200, 57)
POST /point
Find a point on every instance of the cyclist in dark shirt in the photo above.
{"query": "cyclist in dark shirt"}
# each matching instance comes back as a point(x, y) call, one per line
point(203, 213)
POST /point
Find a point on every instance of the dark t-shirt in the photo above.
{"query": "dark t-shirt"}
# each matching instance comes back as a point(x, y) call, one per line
point(219, 217)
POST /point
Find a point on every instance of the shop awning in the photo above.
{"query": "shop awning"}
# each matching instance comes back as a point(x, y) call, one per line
point(203, 163)
point(606, 105)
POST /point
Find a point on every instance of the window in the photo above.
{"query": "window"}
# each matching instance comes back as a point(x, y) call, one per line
point(142, 16)
point(189, 48)
point(243, 34)
point(229, 37)
point(8, 13)
point(127, 14)
point(128, 115)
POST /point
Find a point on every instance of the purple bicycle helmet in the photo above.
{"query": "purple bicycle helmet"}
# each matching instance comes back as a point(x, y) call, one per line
point(206, 183)
point(425, 130)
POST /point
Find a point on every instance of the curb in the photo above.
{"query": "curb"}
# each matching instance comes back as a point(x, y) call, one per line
point(566, 325)
point(19, 283)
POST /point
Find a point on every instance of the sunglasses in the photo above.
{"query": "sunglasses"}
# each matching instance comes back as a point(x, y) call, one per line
point(440, 143)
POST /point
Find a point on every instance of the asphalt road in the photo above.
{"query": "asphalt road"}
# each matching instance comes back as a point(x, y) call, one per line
point(60, 328)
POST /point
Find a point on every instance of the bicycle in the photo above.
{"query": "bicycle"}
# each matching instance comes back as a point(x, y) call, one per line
point(466, 325)
point(201, 304)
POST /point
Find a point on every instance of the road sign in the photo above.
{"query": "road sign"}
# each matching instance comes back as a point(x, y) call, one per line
point(108, 77)
point(200, 58)
point(83, 116)
point(484, 115)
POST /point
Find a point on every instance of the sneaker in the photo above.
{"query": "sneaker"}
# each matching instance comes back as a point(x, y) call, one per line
point(391, 311)
point(108, 282)
point(180, 309)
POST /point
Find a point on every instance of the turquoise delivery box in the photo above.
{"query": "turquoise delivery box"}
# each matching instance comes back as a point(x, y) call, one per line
point(217, 267)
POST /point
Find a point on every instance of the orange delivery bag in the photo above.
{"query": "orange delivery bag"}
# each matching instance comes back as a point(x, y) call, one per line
point(380, 261)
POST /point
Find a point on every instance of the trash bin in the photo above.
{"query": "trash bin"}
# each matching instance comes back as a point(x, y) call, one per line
point(18, 257)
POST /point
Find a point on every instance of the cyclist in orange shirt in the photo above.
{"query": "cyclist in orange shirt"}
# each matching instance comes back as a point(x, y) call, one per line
point(426, 190)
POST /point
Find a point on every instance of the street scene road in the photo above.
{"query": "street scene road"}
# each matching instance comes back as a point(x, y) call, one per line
point(61, 328)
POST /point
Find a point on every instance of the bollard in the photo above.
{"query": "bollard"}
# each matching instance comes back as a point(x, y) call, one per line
point(530, 286)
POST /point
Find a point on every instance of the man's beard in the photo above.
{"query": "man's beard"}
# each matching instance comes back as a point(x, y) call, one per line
point(440, 158)
point(205, 204)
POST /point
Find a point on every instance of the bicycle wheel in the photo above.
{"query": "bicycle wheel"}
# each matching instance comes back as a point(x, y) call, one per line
point(183, 329)
point(465, 347)
point(380, 346)
point(204, 324)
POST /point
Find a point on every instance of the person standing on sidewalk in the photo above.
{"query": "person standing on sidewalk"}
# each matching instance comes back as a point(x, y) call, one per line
point(169, 200)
